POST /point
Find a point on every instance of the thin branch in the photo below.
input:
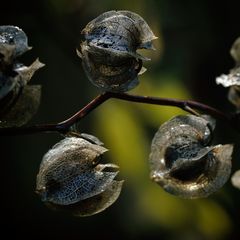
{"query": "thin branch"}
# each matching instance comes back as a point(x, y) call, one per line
point(183, 104)
point(61, 127)
point(64, 126)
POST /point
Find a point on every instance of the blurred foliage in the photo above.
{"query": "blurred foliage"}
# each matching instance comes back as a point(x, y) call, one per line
point(120, 126)
point(192, 49)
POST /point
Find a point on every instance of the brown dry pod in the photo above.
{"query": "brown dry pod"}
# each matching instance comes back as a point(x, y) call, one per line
point(21, 102)
point(71, 178)
point(232, 79)
point(235, 179)
point(18, 102)
point(109, 54)
point(182, 162)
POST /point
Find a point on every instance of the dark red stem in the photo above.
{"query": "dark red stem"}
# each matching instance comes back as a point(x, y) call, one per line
point(64, 126)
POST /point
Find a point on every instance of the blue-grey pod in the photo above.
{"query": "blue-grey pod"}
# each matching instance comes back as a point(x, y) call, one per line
point(13, 43)
point(109, 54)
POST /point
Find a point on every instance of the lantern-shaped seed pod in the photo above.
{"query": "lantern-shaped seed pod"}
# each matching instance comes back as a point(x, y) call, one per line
point(21, 107)
point(72, 179)
point(235, 50)
point(18, 102)
point(109, 54)
point(182, 162)
point(13, 43)
point(232, 79)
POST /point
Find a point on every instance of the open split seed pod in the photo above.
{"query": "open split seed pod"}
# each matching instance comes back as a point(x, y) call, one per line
point(71, 178)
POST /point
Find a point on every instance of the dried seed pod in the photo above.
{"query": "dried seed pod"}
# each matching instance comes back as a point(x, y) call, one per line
point(232, 79)
point(13, 43)
point(182, 162)
point(21, 108)
point(236, 179)
point(18, 102)
point(71, 178)
point(109, 54)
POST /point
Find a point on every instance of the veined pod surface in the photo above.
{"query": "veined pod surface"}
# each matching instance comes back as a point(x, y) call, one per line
point(18, 102)
point(183, 163)
point(71, 178)
point(109, 54)
point(232, 79)
point(13, 43)
point(21, 107)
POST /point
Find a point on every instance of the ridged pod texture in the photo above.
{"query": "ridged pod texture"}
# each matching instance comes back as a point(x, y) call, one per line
point(18, 102)
point(71, 178)
point(183, 163)
point(109, 54)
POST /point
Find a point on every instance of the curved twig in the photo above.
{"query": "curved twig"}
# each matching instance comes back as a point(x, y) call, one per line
point(64, 126)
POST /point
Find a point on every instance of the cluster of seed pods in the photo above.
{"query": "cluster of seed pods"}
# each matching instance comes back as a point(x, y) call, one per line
point(71, 176)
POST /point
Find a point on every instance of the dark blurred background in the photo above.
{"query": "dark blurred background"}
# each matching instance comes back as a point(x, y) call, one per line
point(192, 49)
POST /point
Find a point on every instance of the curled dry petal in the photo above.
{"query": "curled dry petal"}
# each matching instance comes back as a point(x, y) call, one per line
point(109, 54)
point(71, 178)
point(236, 179)
point(182, 162)
point(25, 72)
